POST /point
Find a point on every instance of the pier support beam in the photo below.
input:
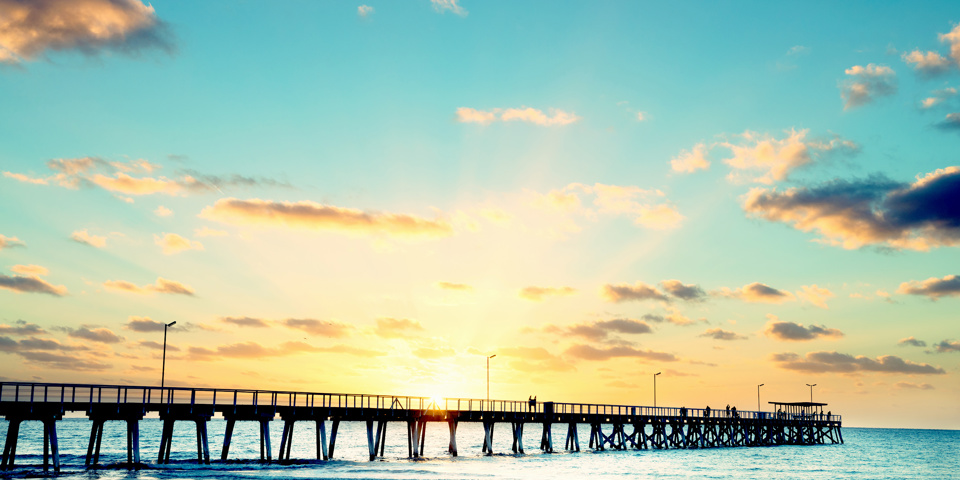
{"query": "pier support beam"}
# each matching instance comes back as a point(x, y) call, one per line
point(51, 445)
point(573, 441)
point(166, 436)
point(333, 436)
point(453, 437)
point(321, 440)
point(546, 439)
point(488, 437)
point(517, 428)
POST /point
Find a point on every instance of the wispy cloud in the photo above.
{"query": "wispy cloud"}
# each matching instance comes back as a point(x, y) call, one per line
point(756, 292)
point(537, 294)
point(866, 84)
point(452, 6)
point(554, 117)
point(316, 216)
point(952, 38)
point(689, 161)
point(911, 341)
point(938, 97)
point(587, 352)
point(21, 328)
point(31, 283)
point(171, 243)
point(826, 362)
point(600, 330)
point(624, 292)
point(457, 287)
point(796, 332)
point(932, 288)
point(398, 328)
point(319, 328)
point(365, 11)
point(816, 295)
point(162, 285)
point(721, 334)
point(83, 236)
point(143, 325)
point(10, 242)
point(927, 64)
point(776, 158)
point(947, 346)
point(31, 29)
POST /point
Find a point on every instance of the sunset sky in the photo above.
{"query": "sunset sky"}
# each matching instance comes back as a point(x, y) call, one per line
point(373, 197)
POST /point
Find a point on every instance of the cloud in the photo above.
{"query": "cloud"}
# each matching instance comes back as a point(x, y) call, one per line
point(721, 334)
point(156, 345)
point(312, 215)
point(33, 28)
point(798, 50)
point(867, 84)
point(756, 292)
point(61, 361)
point(102, 335)
point(398, 328)
point(320, 328)
point(534, 359)
point(776, 159)
point(927, 64)
point(873, 211)
point(556, 116)
point(815, 295)
point(246, 322)
point(624, 292)
point(646, 207)
point(365, 10)
point(32, 270)
point(144, 325)
point(171, 243)
point(933, 288)
point(453, 6)
point(642, 116)
point(10, 242)
point(21, 328)
point(691, 292)
point(162, 211)
point(953, 39)
point(161, 286)
point(537, 294)
point(912, 341)
point(914, 386)
point(459, 287)
point(587, 352)
point(950, 123)
point(254, 350)
point(209, 232)
point(115, 177)
point(82, 236)
point(796, 332)
point(601, 330)
point(428, 353)
point(947, 346)
point(692, 160)
point(938, 97)
point(825, 362)
point(31, 283)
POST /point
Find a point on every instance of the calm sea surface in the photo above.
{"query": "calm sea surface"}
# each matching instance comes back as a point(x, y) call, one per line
point(868, 453)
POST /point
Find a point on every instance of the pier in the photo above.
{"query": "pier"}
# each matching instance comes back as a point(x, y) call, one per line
point(612, 427)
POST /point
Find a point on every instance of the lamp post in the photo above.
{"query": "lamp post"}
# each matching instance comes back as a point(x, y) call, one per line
point(488, 375)
point(163, 368)
point(655, 389)
point(811, 391)
point(758, 395)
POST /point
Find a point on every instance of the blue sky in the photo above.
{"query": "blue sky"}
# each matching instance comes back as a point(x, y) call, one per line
point(425, 182)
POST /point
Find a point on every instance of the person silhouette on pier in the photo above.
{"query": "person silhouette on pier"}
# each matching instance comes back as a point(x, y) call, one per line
point(706, 412)
point(734, 410)
point(728, 409)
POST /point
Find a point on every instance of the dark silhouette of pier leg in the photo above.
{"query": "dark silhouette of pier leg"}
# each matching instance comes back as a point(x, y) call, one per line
point(203, 446)
point(572, 443)
point(546, 438)
point(321, 440)
point(96, 451)
point(265, 450)
point(383, 437)
point(371, 444)
point(227, 436)
point(488, 437)
point(286, 441)
point(333, 436)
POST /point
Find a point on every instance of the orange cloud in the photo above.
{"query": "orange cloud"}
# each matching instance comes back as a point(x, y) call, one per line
point(867, 84)
point(625, 292)
point(756, 292)
point(82, 236)
point(933, 287)
point(692, 160)
point(29, 270)
point(815, 295)
point(774, 158)
point(537, 294)
point(953, 38)
point(398, 328)
point(161, 286)
point(796, 332)
point(32, 28)
point(460, 287)
point(557, 117)
point(173, 243)
point(31, 283)
point(10, 242)
point(930, 63)
point(312, 215)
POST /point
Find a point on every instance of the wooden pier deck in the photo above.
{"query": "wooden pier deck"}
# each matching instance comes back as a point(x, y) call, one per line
point(615, 427)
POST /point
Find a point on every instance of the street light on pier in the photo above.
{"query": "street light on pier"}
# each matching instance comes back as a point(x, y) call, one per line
point(811, 391)
point(655, 389)
point(488, 375)
point(758, 395)
point(163, 368)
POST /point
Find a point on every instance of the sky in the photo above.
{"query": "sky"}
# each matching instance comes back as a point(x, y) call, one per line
point(375, 197)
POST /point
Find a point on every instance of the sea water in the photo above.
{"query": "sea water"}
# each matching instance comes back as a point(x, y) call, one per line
point(867, 454)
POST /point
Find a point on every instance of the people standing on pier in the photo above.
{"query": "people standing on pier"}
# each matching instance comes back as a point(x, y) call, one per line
point(728, 409)
point(734, 410)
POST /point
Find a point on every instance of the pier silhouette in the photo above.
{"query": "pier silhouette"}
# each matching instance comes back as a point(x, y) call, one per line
point(615, 427)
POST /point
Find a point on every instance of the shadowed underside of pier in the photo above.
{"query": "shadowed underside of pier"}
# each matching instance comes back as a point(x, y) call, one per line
point(612, 427)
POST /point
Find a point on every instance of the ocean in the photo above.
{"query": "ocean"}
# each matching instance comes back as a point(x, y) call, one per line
point(868, 453)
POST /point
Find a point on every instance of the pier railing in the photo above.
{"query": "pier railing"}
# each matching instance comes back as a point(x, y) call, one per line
point(77, 395)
